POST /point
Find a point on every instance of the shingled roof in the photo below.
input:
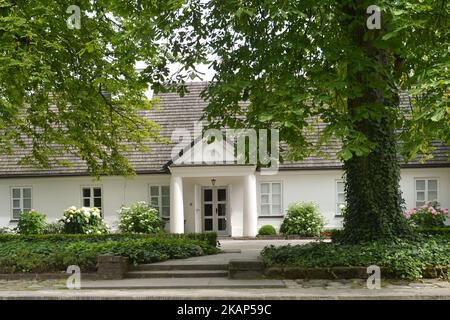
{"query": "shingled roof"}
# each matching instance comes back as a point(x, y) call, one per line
point(182, 112)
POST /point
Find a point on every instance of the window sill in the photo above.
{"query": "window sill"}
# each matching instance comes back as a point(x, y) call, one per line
point(13, 220)
point(338, 216)
point(275, 217)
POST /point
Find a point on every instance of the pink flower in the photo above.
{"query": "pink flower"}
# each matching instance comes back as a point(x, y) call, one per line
point(444, 211)
point(432, 211)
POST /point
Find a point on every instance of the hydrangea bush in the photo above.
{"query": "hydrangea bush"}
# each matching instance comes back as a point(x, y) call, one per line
point(428, 215)
point(83, 220)
point(31, 222)
point(140, 218)
point(304, 219)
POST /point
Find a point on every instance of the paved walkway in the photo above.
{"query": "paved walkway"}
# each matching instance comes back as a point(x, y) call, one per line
point(236, 249)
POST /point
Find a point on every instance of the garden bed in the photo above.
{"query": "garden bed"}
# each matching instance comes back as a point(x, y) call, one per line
point(423, 256)
point(54, 253)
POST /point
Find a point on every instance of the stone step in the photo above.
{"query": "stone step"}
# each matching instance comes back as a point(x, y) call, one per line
point(180, 266)
point(177, 274)
point(187, 283)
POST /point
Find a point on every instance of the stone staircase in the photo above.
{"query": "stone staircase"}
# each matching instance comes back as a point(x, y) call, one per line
point(178, 270)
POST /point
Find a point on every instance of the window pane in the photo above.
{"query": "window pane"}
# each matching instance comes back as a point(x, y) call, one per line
point(166, 211)
point(420, 184)
point(341, 198)
point(340, 187)
point(165, 191)
point(276, 188)
point(154, 201)
point(265, 198)
point(265, 209)
point(276, 209)
point(165, 201)
point(432, 185)
point(221, 194)
point(16, 193)
point(16, 213)
point(276, 199)
point(86, 202)
point(26, 203)
point(16, 203)
point(265, 188)
point(27, 193)
point(97, 202)
point(97, 192)
point(207, 194)
point(154, 191)
point(420, 196)
point(86, 192)
point(432, 195)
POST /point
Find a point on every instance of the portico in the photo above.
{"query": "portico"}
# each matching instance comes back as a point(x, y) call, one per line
point(220, 198)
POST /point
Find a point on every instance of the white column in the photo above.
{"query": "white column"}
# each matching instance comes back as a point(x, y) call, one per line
point(176, 205)
point(250, 207)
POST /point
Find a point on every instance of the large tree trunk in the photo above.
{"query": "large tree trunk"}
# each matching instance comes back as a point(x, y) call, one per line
point(374, 202)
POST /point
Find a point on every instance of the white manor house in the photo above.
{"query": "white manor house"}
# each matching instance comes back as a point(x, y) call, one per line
point(229, 198)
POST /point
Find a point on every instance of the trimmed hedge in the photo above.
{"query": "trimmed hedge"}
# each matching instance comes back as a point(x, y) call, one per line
point(402, 258)
point(52, 253)
point(208, 237)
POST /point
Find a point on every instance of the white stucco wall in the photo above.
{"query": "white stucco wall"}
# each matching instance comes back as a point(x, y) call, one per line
point(320, 187)
point(53, 195)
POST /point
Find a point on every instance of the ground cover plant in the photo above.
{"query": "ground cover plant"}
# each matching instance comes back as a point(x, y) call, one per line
point(404, 258)
point(53, 253)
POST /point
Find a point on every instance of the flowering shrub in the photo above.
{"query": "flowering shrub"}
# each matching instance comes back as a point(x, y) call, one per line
point(428, 215)
point(140, 218)
point(302, 219)
point(31, 222)
point(83, 220)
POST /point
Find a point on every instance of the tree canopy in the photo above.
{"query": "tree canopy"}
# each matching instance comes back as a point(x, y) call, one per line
point(75, 89)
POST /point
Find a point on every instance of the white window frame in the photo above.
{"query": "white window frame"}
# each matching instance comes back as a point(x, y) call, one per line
point(271, 214)
point(91, 198)
point(426, 179)
point(337, 181)
point(160, 205)
point(21, 208)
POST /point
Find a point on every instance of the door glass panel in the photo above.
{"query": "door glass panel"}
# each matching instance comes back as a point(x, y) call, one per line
point(207, 195)
point(86, 203)
point(340, 187)
point(16, 203)
point(222, 195)
point(265, 198)
point(222, 224)
point(154, 201)
point(221, 209)
point(265, 188)
point(341, 197)
point(165, 201)
point(208, 210)
point(208, 225)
